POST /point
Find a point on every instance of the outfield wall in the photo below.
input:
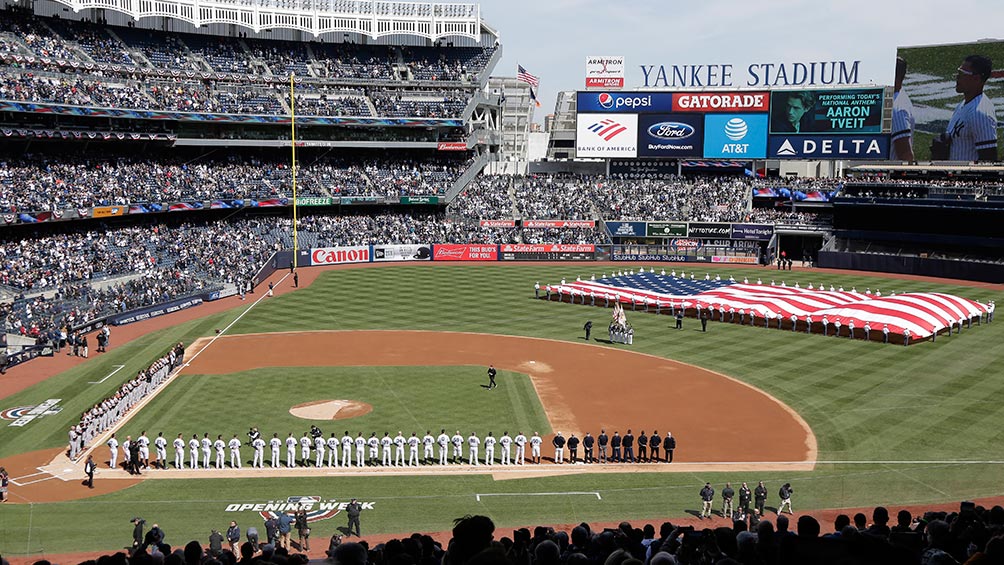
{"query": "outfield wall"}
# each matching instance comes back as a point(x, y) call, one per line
point(908, 265)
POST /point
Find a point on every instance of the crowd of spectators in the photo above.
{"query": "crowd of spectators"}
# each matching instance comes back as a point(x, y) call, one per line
point(44, 183)
point(973, 537)
point(485, 198)
point(789, 217)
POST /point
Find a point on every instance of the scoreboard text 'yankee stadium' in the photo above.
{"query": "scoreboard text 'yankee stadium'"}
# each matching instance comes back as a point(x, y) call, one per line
point(756, 75)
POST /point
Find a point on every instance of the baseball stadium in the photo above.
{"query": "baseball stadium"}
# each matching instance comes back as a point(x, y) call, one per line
point(285, 284)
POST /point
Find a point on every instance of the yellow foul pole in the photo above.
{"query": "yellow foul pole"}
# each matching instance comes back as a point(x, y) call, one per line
point(292, 126)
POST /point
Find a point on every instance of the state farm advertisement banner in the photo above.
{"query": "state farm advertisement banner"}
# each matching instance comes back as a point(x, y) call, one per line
point(406, 252)
point(498, 223)
point(547, 252)
point(581, 224)
point(339, 255)
point(604, 71)
point(464, 252)
point(707, 102)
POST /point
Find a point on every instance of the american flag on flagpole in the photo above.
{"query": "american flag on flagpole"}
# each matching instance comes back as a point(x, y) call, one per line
point(523, 75)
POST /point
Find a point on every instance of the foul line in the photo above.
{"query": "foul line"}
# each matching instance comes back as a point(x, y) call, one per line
point(26, 483)
point(117, 369)
point(593, 493)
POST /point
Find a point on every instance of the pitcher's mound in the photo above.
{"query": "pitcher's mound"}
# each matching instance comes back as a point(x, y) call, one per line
point(330, 409)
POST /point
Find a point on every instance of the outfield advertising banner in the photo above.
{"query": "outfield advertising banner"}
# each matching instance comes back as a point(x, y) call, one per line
point(709, 102)
point(828, 147)
point(154, 311)
point(663, 258)
point(758, 232)
point(666, 229)
point(626, 229)
point(709, 230)
point(340, 255)
point(573, 224)
point(464, 252)
point(743, 259)
point(599, 135)
point(409, 252)
point(735, 136)
point(807, 112)
point(670, 135)
point(624, 102)
point(497, 223)
point(547, 252)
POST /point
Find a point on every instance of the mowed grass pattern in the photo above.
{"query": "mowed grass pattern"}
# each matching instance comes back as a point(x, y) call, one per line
point(931, 404)
point(407, 399)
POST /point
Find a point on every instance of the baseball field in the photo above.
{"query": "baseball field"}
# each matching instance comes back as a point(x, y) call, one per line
point(848, 423)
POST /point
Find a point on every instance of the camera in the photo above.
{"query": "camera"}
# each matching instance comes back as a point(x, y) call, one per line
point(967, 505)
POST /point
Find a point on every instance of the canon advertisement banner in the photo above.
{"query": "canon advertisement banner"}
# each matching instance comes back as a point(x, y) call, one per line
point(604, 71)
point(758, 232)
point(808, 112)
point(411, 252)
point(339, 255)
point(464, 252)
point(709, 102)
point(547, 252)
point(828, 147)
point(709, 231)
point(599, 135)
point(735, 136)
point(574, 224)
point(624, 102)
point(670, 135)
point(626, 229)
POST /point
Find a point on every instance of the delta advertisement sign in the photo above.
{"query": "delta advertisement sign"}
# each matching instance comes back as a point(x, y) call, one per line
point(605, 71)
point(828, 147)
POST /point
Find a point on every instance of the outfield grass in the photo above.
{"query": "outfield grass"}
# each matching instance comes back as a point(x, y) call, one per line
point(939, 401)
point(409, 399)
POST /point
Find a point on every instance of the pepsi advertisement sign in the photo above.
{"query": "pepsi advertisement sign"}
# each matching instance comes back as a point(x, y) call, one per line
point(624, 102)
point(670, 135)
point(735, 136)
point(829, 146)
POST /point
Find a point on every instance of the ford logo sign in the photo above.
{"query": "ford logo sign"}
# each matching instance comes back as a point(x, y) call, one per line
point(671, 130)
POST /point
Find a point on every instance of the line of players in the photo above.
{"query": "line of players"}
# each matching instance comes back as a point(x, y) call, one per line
point(315, 450)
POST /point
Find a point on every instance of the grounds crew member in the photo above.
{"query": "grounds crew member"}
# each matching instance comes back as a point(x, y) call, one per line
point(707, 496)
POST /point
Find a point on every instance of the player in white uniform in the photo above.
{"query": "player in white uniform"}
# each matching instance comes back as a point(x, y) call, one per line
point(220, 447)
point(305, 449)
point(207, 450)
point(332, 450)
point(373, 448)
point(458, 447)
point(276, 446)
point(413, 442)
point(319, 451)
point(346, 450)
point(520, 442)
point(506, 442)
point(161, 446)
point(399, 449)
point(259, 453)
point(490, 449)
point(535, 442)
point(291, 451)
point(125, 451)
point(179, 452)
point(144, 450)
point(903, 122)
point(360, 450)
point(427, 442)
point(113, 451)
point(972, 132)
point(235, 452)
point(193, 452)
point(385, 443)
point(444, 442)
point(473, 446)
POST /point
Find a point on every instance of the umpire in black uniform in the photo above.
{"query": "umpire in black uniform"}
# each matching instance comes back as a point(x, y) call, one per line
point(628, 442)
point(588, 327)
point(587, 448)
point(642, 447)
point(603, 441)
point(654, 442)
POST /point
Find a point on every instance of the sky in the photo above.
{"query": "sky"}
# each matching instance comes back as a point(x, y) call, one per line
point(552, 38)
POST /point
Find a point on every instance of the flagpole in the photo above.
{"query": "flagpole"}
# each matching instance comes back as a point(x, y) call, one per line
point(292, 147)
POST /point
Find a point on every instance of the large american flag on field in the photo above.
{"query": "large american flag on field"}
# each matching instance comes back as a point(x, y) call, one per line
point(923, 313)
